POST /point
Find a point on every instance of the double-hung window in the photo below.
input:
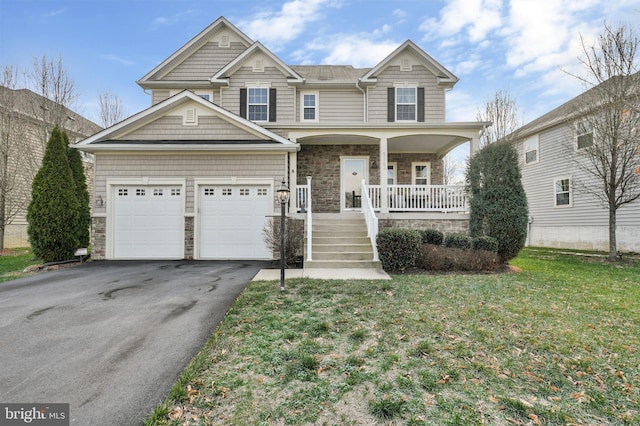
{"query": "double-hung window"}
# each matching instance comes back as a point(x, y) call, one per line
point(420, 173)
point(258, 103)
point(584, 134)
point(309, 107)
point(406, 103)
point(562, 192)
point(531, 147)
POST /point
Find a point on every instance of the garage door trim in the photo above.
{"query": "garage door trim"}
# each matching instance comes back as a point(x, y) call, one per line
point(112, 185)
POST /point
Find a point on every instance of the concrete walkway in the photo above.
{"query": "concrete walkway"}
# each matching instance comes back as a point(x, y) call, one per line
point(323, 274)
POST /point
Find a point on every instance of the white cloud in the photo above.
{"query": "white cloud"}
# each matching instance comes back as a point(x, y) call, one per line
point(276, 28)
point(475, 18)
point(360, 49)
point(114, 58)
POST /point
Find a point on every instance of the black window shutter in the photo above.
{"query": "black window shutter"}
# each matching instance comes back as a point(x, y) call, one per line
point(272, 104)
point(421, 104)
point(243, 102)
point(391, 104)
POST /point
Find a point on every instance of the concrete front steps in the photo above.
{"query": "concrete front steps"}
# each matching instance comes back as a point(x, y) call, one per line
point(340, 241)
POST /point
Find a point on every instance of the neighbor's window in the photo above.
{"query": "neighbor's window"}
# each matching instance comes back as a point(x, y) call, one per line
point(309, 107)
point(406, 103)
point(258, 103)
point(420, 173)
point(562, 187)
point(584, 134)
point(531, 147)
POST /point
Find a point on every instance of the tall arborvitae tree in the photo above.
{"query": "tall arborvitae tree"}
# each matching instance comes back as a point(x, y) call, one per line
point(82, 194)
point(498, 203)
point(52, 215)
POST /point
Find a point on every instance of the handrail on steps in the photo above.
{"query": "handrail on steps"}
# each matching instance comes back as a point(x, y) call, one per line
point(370, 218)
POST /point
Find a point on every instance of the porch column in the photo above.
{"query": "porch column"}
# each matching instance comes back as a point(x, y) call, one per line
point(384, 199)
point(293, 181)
point(474, 145)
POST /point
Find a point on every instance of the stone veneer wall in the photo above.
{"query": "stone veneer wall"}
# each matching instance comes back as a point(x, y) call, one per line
point(188, 237)
point(447, 226)
point(98, 237)
point(322, 163)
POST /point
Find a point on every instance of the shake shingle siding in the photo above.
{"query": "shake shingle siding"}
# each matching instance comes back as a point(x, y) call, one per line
point(171, 128)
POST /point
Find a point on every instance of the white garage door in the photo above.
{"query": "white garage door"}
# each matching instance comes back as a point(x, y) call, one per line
point(148, 222)
point(232, 219)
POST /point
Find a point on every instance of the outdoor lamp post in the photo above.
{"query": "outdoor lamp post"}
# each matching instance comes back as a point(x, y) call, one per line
point(283, 197)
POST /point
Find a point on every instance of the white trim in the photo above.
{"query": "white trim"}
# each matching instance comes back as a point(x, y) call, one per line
point(413, 172)
point(570, 192)
point(267, 103)
point(316, 106)
point(143, 181)
point(415, 103)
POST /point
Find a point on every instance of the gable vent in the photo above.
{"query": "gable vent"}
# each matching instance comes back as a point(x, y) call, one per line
point(224, 41)
point(405, 65)
point(190, 117)
point(258, 66)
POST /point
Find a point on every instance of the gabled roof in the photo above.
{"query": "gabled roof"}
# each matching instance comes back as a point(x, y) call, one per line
point(222, 75)
point(261, 138)
point(445, 77)
point(194, 44)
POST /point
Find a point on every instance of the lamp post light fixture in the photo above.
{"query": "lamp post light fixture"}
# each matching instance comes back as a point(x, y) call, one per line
point(283, 197)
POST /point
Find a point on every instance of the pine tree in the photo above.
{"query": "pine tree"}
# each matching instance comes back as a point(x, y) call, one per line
point(498, 203)
point(82, 194)
point(52, 215)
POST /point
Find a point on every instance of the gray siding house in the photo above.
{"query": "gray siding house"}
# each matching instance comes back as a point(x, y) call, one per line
point(195, 175)
point(562, 214)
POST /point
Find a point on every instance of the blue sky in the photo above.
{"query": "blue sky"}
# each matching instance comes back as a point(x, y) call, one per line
point(516, 45)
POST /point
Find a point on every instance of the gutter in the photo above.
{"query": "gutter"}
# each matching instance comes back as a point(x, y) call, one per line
point(364, 100)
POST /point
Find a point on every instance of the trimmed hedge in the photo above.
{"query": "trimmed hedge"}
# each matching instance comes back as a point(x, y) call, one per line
point(460, 241)
point(485, 243)
point(432, 236)
point(398, 248)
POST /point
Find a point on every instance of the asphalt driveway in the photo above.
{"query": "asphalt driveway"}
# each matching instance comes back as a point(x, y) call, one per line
point(110, 338)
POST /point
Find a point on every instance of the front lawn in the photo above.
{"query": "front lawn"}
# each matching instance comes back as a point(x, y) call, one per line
point(555, 344)
point(13, 262)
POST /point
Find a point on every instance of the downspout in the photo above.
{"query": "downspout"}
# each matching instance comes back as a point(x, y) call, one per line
point(364, 100)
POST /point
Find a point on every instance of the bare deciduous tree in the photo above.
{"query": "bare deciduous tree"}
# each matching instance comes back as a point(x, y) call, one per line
point(502, 111)
point(607, 151)
point(51, 80)
point(112, 110)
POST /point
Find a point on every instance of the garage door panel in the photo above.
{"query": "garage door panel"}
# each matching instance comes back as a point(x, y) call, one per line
point(148, 222)
point(232, 219)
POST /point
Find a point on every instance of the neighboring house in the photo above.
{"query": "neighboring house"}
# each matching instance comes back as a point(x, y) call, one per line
point(195, 175)
point(562, 214)
point(25, 125)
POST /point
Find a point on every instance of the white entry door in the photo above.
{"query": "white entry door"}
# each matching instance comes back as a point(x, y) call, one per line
point(148, 222)
point(353, 170)
point(232, 219)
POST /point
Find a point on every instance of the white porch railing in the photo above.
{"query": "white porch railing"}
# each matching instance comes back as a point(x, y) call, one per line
point(303, 205)
point(421, 198)
point(371, 220)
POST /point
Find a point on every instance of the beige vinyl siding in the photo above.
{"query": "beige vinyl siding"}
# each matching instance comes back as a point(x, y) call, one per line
point(271, 77)
point(185, 166)
point(587, 216)
point(434, 103)
point(204, 63)
point(159, 96)
point(171, 128)
point(340, 106)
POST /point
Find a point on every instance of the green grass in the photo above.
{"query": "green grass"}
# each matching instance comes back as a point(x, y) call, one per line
point(555, 344)
point(13, 262)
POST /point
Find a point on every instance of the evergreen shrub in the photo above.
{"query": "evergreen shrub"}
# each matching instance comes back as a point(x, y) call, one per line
point(398, 249)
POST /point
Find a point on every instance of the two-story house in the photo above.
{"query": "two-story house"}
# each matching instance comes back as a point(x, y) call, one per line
point(195, 175)
point(563, 213)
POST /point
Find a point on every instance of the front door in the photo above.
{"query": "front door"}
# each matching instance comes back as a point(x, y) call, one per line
point(353, 171)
